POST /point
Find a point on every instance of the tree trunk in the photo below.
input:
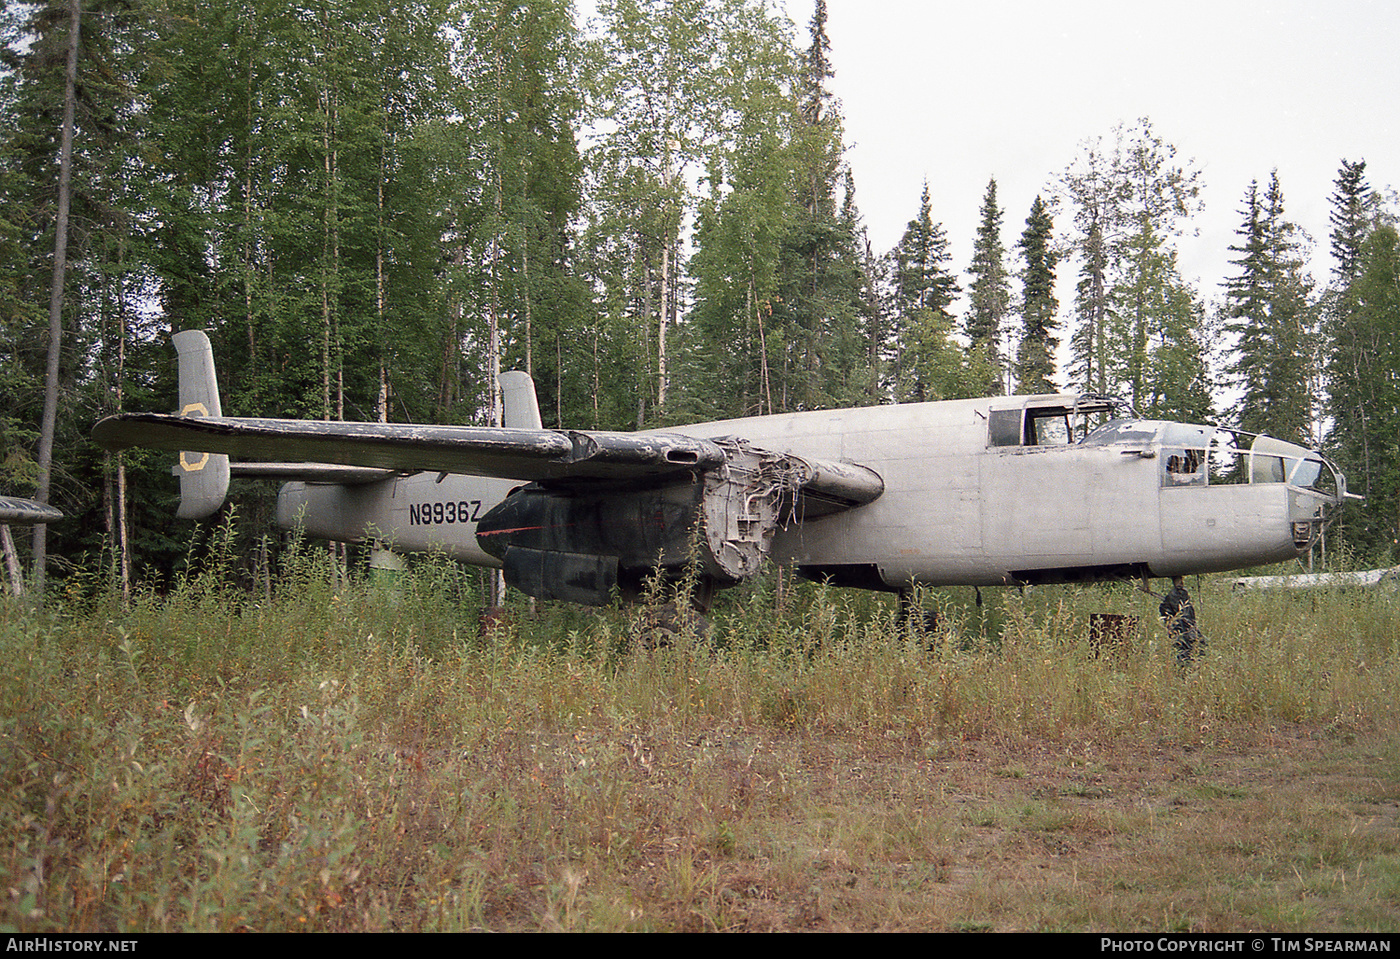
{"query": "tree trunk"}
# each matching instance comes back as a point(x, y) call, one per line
point(60, 270)
point(7, 545)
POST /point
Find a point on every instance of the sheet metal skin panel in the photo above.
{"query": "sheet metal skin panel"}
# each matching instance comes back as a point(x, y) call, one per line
point(957, 511)
point(954, 509)
point(418, 513)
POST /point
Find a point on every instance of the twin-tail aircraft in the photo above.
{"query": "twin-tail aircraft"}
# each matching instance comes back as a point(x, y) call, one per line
point(1007, 490)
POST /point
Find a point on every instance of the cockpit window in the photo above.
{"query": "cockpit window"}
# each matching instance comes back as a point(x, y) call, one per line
point(1315, 475)
point(1216, 456)
point(1004, 427)
point(1228, 461)
point(1266, 469)
point(1043, 427)
point(1055, 421)
point(1308, 473)
point(1123, 431)
point(1050, 429)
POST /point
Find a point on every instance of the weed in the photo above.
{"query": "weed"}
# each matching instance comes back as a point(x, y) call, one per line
point(337, 751)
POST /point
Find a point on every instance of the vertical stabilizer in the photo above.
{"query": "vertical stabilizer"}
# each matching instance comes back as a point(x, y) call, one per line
point(522, 406)
point(203, 476)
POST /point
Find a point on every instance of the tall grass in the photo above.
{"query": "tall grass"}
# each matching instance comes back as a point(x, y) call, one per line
point(341, 753)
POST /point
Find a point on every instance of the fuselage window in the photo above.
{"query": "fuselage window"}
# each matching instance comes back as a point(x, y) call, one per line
point(1266, 469)
point(1184, 467)
point(1226, 460)
point(1004, 427)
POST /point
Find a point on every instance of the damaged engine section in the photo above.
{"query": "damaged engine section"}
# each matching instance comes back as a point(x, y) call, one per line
point(584, 545)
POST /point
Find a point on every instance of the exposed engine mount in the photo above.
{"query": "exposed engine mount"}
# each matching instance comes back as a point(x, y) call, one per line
point(585, 545)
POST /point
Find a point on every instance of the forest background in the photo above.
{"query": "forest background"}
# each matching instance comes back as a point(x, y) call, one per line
point(373, 209)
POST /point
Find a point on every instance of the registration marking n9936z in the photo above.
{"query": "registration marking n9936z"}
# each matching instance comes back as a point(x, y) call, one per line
point(452, 511)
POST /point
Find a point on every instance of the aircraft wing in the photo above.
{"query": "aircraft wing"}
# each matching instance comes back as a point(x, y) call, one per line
point(365, 452)
point(523, 454)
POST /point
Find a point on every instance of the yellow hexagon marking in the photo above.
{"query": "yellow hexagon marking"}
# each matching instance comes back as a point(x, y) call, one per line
point(194, 409)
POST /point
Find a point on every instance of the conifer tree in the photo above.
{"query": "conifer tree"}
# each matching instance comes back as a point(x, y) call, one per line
point(1359, 311)
point(989, 296)
point(925, 363)
point(1364, 389)
point(1035, 368)
point(821, 296)
point(1352, 205)
point(1269, 309)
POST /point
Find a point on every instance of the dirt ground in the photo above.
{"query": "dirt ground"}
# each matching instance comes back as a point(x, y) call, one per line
point(1282, 829)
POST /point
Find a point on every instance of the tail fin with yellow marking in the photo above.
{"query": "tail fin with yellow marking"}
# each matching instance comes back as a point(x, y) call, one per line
point(203, 476)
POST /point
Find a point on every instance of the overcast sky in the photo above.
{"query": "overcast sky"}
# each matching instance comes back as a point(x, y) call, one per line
point(959, 92)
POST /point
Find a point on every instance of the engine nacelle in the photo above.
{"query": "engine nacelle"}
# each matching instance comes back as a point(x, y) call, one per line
point(582, 545)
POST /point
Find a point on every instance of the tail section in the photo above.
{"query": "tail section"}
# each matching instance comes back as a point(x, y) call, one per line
point(203, 476)
point(522, 405)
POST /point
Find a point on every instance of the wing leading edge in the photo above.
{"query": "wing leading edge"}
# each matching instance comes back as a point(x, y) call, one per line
point(524, 454)
point(555, 458)
point(358, 453)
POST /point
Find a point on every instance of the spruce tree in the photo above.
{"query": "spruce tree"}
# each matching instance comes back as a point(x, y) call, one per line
point(1035, 368)
point(989, 296)
point(1364, 389)
point(1269, 310)
point(821, 297)
point(925, 363)
point(1350, 216)
point(1362, 400)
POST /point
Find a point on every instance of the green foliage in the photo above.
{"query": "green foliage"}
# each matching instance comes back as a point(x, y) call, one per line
point(1035, 369)
point(732, 343)
point(924, 362)
point(1271, 313)
point(1140, 329)
point(989, 296)
point(821, 311)
point(1359, 310)
point(1362, 384)
point(340, 753)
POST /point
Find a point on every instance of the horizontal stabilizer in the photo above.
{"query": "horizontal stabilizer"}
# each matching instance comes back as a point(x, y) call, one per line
point(26, 512)
point(313, 473)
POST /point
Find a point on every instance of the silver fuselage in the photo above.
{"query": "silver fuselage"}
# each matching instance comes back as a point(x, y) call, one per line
point(960, 505)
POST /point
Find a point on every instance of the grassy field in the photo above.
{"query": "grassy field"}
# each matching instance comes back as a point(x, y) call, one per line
point(337, 754)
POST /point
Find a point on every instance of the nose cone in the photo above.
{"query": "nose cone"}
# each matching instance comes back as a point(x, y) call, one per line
point(1276, 461)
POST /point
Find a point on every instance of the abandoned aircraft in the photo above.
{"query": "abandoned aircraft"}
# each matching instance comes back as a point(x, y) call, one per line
point(1008, 490)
